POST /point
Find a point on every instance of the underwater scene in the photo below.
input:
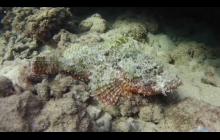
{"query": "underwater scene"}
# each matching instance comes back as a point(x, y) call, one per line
point(109, 69)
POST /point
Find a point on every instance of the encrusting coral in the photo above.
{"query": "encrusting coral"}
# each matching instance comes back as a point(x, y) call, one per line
point(114, 69)
point(94, 23)
point(27, 28)
point(39, 23)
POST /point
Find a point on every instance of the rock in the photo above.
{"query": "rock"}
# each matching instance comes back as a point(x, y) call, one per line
point(18, 112)
point(61, 86)
point(103, 124)
point(151, 113)
point(128, 125)
point(166, 43)
point(210, 77)
point(149, 127)
point(6, 87)
point(123, 127)
point(58, 115)
point(94, 112)
point(94, 23)
point(43, 90)
point(187, 51)
point(128, 109)
point(188, 114)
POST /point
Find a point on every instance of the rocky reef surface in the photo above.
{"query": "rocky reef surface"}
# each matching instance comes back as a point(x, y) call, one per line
point(59, 73)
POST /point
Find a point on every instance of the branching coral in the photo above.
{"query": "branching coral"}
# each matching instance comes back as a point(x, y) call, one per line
point(39, 23)
point(44, 23)
point(29, 27)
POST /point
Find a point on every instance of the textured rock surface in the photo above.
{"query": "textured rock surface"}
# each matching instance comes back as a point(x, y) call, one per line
point(211, 77)
point(128, 125)
point(18, 112)
point(94, 112)
point(50, 121)
point(188, 114)
point(94, 23)
point(103, 124)
point(65, 39)
point(27, 26)
point(6, 87)
point(151, 113)
point(186, 52)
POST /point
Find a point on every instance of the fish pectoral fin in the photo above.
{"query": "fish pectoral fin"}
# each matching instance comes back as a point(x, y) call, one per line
point(111, 94)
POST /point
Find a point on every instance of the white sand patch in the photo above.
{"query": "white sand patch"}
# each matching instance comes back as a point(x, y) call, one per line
point(11, 69)
point(193, 87)
point(190, 71)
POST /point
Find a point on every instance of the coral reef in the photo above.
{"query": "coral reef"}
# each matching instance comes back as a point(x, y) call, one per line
point(27, 27)
point(58, 74)
point(103, 124)
point(67, 117)
point(94, 112)
point(130, 25)
point(18, 112)
point(189, 51)
point(6, 87)
point(43, 90)
point(41, 23)
point(129, 125)
point(151, 113)
point(190, 113)
point(3, 11)
point(28, 112)
point(17, 45)
point(131, 29)
point(61, 85)
point(211, 77)
point(94, 23)
point(64, 38)
point(26, 78)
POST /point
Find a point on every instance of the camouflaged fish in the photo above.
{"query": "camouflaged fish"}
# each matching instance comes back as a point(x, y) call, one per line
point(114, 70)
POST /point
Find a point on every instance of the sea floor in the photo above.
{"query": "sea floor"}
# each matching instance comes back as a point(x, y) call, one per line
point(65, 103)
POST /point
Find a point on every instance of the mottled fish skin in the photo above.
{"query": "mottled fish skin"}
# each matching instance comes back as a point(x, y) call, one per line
point(46, 66)
point(118, 91)
point(111, 94)
point(122, 88)
point(42, 66)
point(113, 71)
